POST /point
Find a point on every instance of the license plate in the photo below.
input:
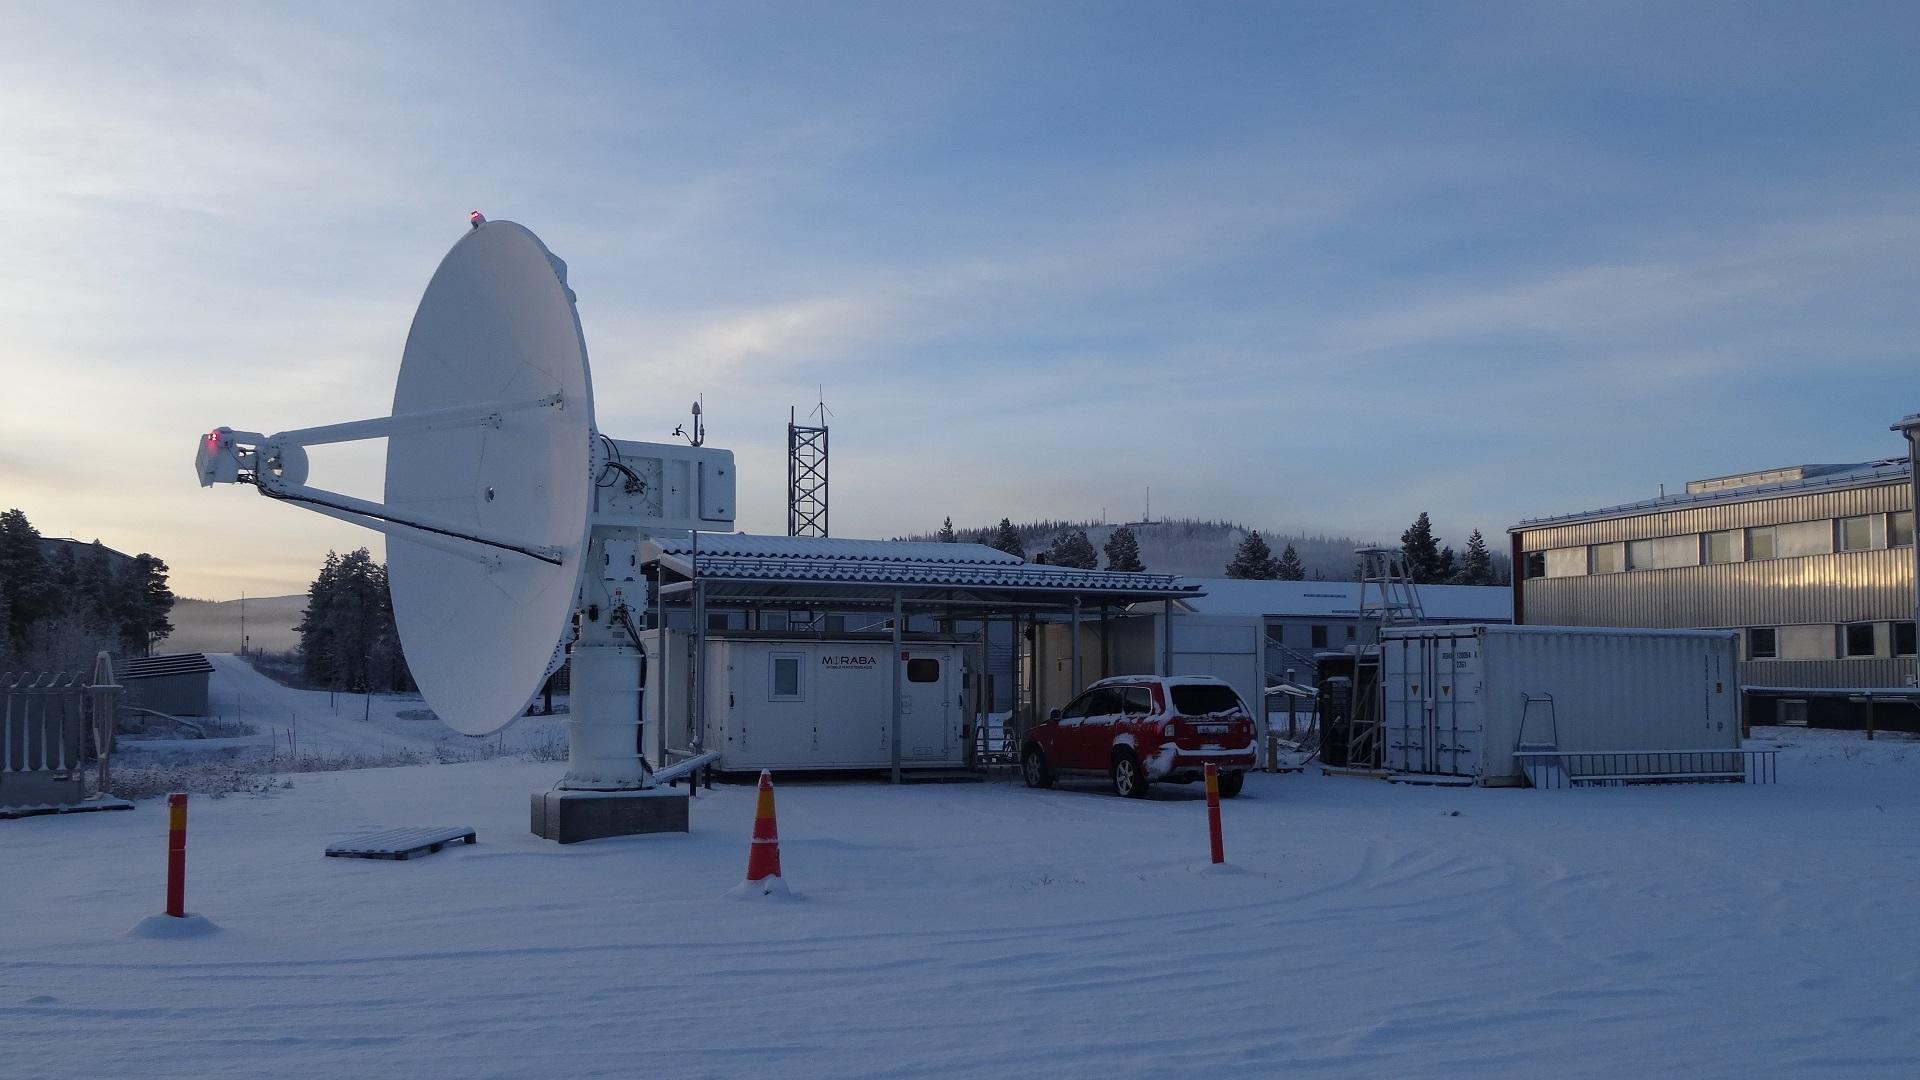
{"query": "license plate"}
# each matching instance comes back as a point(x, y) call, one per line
point(1212, 729)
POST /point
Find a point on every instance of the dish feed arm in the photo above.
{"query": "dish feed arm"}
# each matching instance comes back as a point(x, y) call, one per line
point(276, 465)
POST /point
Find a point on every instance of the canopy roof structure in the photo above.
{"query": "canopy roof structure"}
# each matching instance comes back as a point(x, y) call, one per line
point(946, 581)
point(959, 579)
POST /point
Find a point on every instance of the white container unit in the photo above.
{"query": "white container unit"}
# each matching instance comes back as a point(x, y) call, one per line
point(1455, 698)
point(808, 704)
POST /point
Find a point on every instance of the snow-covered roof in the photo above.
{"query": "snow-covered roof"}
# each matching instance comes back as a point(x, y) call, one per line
point(891, 572)
point(155, 667)
point(1793, 480)
point(1278, 599)
point(834, 547)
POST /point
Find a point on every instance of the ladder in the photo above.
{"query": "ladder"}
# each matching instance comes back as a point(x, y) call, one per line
point(1541, 772)
point(1388, 598)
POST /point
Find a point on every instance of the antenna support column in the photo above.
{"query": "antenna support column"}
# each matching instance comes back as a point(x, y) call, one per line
point(807, 475)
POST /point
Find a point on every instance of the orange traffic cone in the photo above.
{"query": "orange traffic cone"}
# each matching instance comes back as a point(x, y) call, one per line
point(763, 859)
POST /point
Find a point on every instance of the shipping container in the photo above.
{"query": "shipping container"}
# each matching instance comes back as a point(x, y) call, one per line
point(806, 703)
point(1459, 700)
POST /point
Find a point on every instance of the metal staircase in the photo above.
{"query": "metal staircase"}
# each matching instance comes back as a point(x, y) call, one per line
point(1303, 664)
point(1388, 598)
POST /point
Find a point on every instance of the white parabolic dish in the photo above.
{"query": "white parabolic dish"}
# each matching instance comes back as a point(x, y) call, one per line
point(497, 324)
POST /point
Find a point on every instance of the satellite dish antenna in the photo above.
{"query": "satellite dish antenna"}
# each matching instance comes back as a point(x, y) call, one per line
point(491, 509)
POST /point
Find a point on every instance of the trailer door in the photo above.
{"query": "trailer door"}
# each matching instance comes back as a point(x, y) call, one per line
point(928, 704)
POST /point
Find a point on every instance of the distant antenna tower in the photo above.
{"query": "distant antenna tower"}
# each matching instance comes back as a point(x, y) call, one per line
point(807, 471)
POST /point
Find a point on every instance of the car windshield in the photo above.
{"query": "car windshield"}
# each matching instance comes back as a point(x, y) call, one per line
point(1202, 700)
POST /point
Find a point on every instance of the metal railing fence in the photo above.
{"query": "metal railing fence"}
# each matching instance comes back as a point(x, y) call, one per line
point(1562, 768)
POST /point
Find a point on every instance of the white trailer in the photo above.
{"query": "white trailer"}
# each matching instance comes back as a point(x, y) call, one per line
point(810, 704)
point(1460, 700)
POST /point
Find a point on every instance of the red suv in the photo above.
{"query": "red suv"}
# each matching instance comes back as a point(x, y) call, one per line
point(1138, 729)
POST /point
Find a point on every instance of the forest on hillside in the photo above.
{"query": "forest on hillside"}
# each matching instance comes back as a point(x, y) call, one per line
point(1199, 547)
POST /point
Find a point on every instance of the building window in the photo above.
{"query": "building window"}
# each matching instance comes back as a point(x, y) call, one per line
point(1854, 533)
point(1608, 558)
point(1793, 712)
point(1760, 543)
point(783, 677)
point(1900, 529)
point(1762, 643)
point(1903, 639)
point(1640, 555)
point(1350, 631)
point(1719, 547)
point(1536, 564)
point(1856, 639)
point(1319, 637)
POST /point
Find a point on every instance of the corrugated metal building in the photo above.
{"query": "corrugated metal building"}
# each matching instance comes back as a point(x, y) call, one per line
point(1812, 564)
point(175, 685)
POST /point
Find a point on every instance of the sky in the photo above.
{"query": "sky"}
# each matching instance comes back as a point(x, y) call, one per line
point(1310, 267)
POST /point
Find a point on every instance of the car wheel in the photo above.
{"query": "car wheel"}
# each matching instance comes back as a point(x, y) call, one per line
point(1033, 767)
point(1231, 783)
point(1129, 782)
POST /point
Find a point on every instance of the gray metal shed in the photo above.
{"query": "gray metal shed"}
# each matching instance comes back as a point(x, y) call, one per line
point(175, 684)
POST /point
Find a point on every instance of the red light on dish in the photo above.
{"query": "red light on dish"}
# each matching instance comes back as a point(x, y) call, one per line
point(213, 440)
point(477, 219)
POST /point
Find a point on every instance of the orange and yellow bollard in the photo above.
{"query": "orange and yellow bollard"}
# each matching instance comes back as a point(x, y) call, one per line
point(1213, 813)
point(177, 855)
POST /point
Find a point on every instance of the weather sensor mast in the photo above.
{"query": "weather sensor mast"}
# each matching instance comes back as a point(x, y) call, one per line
point(513, 524)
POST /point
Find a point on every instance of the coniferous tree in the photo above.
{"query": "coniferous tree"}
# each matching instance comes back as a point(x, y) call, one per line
point(1253, 559)
point(26, 576)
point(1478, 566)
point(1072, 548)
point(347, 635)
point(946, 532)
point(1424, 562)
point(1123, 551)
point(1007, 539)
point(150, 600)
point(1288, 568)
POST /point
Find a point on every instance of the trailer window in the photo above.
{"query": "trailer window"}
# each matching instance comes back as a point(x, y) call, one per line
point(1192, 700)
point(783, 677)
point(923, 669)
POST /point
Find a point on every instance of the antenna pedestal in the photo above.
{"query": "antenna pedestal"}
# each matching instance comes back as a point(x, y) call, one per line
point(607, 790)
point(603, 733)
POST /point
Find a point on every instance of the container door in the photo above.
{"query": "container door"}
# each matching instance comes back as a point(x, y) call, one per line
point(1404, 663)
point(928, 705)
point(1454, 718)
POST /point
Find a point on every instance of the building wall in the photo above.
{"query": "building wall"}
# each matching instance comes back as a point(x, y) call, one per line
point(176, 695)
point(1806, 596)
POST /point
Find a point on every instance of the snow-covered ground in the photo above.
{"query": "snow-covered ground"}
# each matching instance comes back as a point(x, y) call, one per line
point(319, 724)
point(988, 930)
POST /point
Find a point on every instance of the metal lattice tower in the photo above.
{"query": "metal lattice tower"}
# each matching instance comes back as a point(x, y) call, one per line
point(807, 473)
point(1388, 598)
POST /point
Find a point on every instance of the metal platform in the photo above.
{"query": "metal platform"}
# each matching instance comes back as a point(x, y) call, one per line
point(400, 843)
point(84, 806)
